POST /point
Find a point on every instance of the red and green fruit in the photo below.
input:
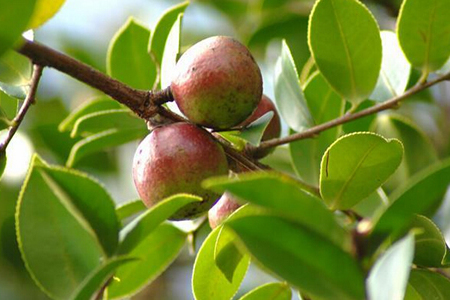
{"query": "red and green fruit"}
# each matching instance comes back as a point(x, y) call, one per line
point(176, 158)
point(217, 83)
point(226, 205)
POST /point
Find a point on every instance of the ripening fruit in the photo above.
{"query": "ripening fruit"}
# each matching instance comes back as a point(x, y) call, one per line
point(217, 83)
point(176, 158)
point(273, 129)
point(226, 205)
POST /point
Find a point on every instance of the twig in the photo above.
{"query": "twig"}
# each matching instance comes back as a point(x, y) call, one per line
point(37, 72)
point(314, 131)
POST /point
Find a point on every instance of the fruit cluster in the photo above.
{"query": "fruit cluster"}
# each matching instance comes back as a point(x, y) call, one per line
point(218, 85)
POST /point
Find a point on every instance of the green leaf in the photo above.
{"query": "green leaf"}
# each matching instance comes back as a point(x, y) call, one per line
point(92, 106)
point(253, 132)
point(44, 10)
point(158, 40)
point(424, 33)
point(8, 107)
point(128, 209)
point(372, 205)
point(137, 231)
point(2, 163)
point(395, 69)
point(102, 140)
point(58, 245)
point(420, 195)
point(226, 255)
point(208, 281)
point(288, 94)
point(269, 291)
point(15, 74)
point(171, 52)
point(120, 119)
point(419, 151)
point(155, 253)
point(325, 105)
point(355, 166)
point(128, 59)
point(425, 285)
point(389, 276)
point(281, 194)
point(16, 14)
point(301, 257)
point(92, 284)
point(345, 42)
point(430, 250)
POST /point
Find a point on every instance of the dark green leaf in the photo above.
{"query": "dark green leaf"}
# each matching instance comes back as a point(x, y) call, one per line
point(92, 284)
point(424, 33)
point(345, 42)
point(431, 250)
point(95, 105)
point(325, 105)
point(128, 59)
point(226, 255)
point(288, 94)
point(395, 69)
point(420, 195)
point(155, 253)
point(426, 285)
point(102, 140)
point(57, 244)
point(137, 231)
point(269, 291)
point(208, 281)
point(120, 119)
point(16, 15)
point(389, 276)
point(130, 208)
point(301, 257)
point(355, 166)
point(281, 194)
point(2, 163)
point(158, 39)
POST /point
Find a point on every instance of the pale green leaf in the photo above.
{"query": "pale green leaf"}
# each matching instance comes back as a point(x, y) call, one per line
point(269, 291)
point(130, 208)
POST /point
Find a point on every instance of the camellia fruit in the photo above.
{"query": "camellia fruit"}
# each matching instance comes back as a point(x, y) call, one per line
point(176, 158)
point(217, 83)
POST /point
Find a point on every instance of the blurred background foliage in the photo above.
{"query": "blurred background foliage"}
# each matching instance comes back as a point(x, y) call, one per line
point(84, 28)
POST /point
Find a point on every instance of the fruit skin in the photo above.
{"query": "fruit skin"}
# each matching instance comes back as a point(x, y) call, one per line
point(217, 83)
point(273, 129)
point(176, 158)
point(226, 205)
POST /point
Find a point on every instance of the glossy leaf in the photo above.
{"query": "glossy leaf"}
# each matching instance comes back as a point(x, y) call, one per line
point(430, 250)
point(226, 255)
point(89, 107)
point(16, 14)
point(128, 209)
point(395, 69)
point(92, 284)
point(138, 230)
point(171, 51)
point(389, 276)
point(102, 140)
point(345, 42)
point(58, 245)
point(208, 281)
point(158, 39)
point(283, 195)
point(269, 291)
point(325, 105)
point(253, 132)
point(301, 257)
point(425, 285)
point(355, 166)
point(155, 253)
point(420, 195)
point(424, 33)
point(128, 59)
point(121, 119)
point(44, 10)
point(288, 95)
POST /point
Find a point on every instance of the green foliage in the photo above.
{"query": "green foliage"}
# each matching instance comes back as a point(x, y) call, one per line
point(425, 284)
point(270, 291)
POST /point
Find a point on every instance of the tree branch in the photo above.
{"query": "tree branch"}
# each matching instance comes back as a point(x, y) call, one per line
point(313, 131)
point(37, 72)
